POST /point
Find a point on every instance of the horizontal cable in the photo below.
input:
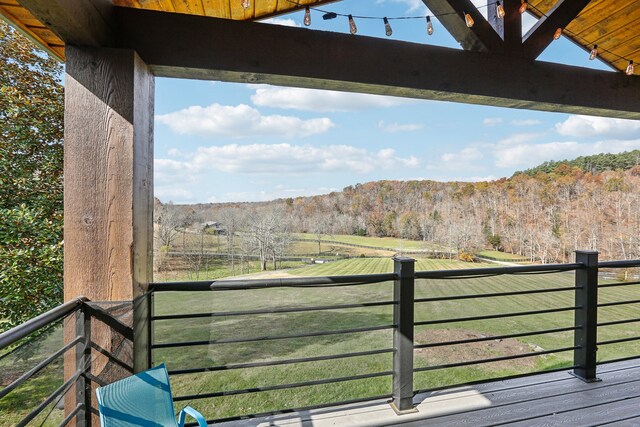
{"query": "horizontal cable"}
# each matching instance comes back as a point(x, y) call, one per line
point(611, 304)
point(618, 284)
point(272, 311)
point(291, 410)
point(298, 282)
point(279, 362)
point(496, 337)
point(496, 316)
point(72, 414)
point(621, 359)
point(488, 380)
point(58, 392)
point(282, 386)
point(495, 294)
point(494, 359)
point(618, 322)
point(24, 377)
point(496, 271)
point(268, 338)
point(620, 264)
point(617, 341)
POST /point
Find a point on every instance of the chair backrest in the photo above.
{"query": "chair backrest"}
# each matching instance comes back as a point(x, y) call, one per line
point(143, 399)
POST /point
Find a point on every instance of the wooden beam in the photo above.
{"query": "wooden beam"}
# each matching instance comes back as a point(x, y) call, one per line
point(214, 49)
point(481, 37)
point(77, 22)
point(108, 187)
point(559, 16)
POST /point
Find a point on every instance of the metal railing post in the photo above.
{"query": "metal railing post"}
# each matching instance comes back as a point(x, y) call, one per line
point(403, 295)
point(83, 364)
point(586, 317)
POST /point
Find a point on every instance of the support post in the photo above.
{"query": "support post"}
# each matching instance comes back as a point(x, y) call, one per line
point(403, 295)
point(83, 363)
point(586, 317)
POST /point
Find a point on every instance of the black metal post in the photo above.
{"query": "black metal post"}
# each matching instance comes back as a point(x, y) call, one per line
point(403, 295)
point(586, 317)
point(83, 364)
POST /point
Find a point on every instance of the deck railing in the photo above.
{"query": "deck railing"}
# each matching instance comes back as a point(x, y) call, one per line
point(402, 302)
point(402, 347)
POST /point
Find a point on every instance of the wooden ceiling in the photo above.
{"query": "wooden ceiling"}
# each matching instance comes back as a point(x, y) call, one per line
point(612, 25)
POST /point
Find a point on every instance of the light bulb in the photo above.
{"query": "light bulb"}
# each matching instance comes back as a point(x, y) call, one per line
point(523, 7)
point(352, 25)
point(387, 27)
point(557, 34)
point(594, 52)
point(429, 26)
point(468, 19)
point(500, 10)
point(246, 4)
point(630, 69)
point(307, 16)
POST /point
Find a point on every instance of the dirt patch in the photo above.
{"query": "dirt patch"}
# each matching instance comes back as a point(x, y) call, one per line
point(473, 351)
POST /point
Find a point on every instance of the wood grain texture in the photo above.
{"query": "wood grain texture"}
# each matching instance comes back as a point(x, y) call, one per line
point(324, 60)
point(108, 174)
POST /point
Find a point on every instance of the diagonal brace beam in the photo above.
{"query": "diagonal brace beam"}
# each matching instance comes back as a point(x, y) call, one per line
point(559, 16)
point(481, 37)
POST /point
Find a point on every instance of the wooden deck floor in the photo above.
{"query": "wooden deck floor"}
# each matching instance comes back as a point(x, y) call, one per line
point(556, 399)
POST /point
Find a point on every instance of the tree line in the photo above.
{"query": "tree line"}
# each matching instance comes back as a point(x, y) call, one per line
point(545, 217)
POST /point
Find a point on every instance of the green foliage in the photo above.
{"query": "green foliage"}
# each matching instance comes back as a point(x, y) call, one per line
point(593, 164)
point(31, 154)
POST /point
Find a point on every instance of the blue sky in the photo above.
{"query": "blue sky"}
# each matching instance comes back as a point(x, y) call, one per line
point(224, 142)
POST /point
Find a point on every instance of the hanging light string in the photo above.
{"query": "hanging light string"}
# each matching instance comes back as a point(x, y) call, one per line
point(326, 15)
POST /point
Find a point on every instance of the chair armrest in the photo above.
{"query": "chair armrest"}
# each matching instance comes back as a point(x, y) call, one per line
point(188, 410)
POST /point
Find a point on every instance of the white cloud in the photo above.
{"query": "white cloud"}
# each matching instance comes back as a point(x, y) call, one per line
point(285, 22)
point(320, 100)
point(529, 155)
point(397, 127)
point(282, 159)
point(264, 196)
point(586, 126)
point(525, 122)
point(240, 121)
point(519, 138)
point(463, 157)
point(492, 121)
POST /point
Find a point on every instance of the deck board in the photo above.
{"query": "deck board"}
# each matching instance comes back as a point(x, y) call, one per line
point(553, 399)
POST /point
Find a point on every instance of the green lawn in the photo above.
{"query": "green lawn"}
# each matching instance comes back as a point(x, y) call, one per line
point(313, 321)
point(377, 242)
point(501, 256)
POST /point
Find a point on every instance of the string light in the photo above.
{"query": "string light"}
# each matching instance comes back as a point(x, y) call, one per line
point(500, 10)
point(429, 26)
point(468, 19)
point(352, 25)
point(246, 4)
point(387, 27)
point(557, 34)
point(523, 7)
point(307, 16)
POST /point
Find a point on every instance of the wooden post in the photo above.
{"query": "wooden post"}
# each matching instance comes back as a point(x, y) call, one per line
point(108, 188)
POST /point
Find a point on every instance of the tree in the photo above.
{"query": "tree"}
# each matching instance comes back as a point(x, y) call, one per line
point(31, 202)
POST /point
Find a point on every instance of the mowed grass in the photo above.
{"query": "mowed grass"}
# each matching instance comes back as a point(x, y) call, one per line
point(276, 325)
point(391, 243)
point(501, 256)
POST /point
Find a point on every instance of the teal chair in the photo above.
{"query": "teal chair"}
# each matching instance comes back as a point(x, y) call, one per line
point(143, 399)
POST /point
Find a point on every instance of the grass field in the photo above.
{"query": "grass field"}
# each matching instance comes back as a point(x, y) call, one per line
point(501, 256)
point(390, 243)
point(219, 328)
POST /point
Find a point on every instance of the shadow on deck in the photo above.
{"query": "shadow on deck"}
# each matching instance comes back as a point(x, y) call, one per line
point(554, 399)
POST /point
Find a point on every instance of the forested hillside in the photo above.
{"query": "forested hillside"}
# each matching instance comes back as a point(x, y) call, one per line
point(595, 164)
point(544, 217)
